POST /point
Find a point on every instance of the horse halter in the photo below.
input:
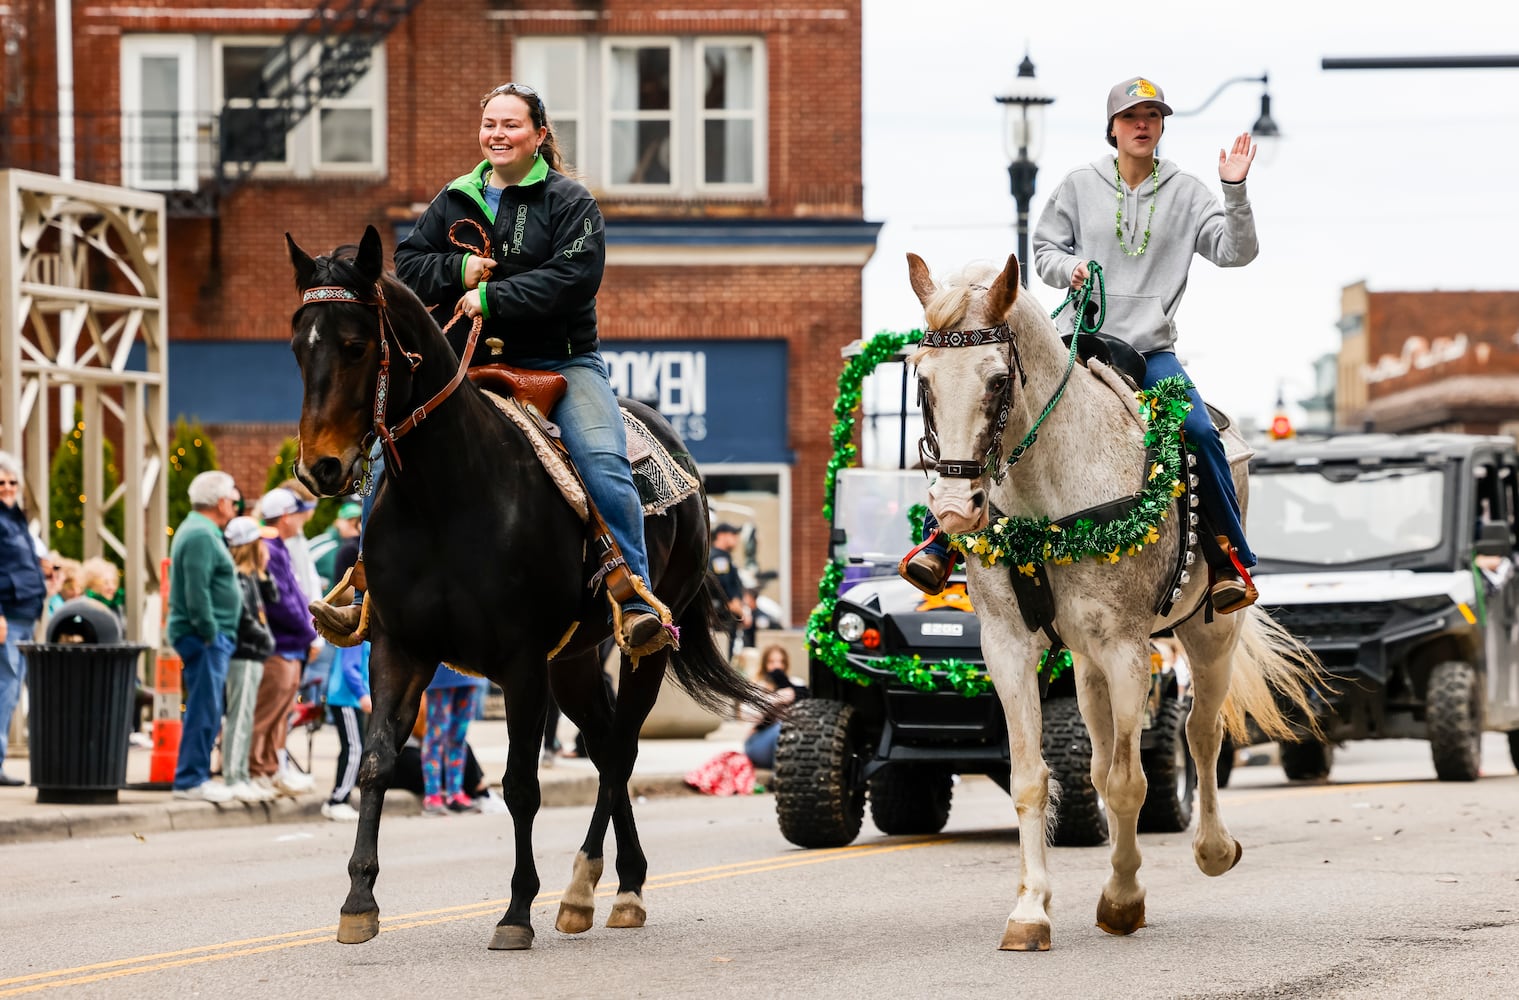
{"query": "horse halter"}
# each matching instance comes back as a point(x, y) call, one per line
point(338, 293)
point(928, 444)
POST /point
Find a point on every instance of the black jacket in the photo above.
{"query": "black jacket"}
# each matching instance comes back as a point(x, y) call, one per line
point(254, 641)
point(548, 242)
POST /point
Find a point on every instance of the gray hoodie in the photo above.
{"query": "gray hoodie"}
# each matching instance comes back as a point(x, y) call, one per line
point(1143, 292)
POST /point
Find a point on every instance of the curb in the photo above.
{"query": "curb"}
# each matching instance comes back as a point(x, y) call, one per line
point(53, 823)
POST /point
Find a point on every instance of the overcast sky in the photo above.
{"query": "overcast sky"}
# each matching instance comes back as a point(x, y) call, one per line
point(1406, 179)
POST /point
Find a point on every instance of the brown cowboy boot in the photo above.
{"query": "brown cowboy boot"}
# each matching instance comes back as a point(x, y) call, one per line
point(926, 570)
point(336, 616)
point(639, 628)
point(1232, 588)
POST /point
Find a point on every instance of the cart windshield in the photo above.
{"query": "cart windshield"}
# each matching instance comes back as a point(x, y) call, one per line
point(1343, 514)
point(871, 507)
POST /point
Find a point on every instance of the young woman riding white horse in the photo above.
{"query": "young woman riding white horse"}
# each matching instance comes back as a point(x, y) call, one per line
point(993, 368)
point(1163, 218)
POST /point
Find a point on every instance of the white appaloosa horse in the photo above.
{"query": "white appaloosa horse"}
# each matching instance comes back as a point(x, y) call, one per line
point(996, 351)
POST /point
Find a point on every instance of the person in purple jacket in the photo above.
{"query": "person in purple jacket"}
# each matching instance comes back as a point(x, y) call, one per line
point(295, 641)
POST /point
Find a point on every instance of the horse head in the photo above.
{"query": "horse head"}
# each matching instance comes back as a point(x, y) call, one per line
point(351, 316)
point(969, 371)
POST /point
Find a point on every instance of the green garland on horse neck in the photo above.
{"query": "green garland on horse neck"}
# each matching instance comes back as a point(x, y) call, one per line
point(1021, 542)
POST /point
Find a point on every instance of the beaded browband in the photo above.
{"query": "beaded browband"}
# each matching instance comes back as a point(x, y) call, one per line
point(1001, 334)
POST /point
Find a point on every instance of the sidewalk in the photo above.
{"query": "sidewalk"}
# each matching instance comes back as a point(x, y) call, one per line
point(661, 769)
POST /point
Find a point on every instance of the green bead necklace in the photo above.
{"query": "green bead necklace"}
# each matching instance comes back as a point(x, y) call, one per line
point(1154, 197)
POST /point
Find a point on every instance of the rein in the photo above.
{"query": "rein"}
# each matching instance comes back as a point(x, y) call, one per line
point(928, 445)
point(390, 435)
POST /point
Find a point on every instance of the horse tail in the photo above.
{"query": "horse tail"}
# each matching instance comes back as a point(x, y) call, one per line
point(700, 668)
point(1274, 673)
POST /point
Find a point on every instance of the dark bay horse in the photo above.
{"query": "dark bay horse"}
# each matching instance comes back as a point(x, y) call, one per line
point(474, 558)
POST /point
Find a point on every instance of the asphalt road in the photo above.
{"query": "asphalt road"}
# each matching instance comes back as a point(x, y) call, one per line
point(1384, 883)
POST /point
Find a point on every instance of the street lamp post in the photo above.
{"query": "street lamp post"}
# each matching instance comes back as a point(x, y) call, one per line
point(1023, 134)
point(1265, 126)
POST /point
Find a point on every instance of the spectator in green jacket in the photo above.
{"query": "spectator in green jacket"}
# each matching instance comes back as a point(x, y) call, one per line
point(204, 606)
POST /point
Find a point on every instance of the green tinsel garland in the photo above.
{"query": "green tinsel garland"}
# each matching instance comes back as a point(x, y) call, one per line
point(1027, 542)
point(948, 675)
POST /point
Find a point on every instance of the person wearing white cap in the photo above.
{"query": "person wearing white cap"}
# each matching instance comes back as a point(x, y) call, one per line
point(246, 669)
point(1142, 218)
point(294, 640)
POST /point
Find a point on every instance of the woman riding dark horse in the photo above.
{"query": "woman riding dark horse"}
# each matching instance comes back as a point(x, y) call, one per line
point(475, 558)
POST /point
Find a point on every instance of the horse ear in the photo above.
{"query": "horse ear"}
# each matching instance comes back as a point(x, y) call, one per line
point(371, 258)
point(305, 267)
point(917, 273)
point(1004, 291)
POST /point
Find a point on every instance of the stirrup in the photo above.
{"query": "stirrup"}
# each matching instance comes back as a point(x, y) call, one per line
point(336, 617)
point(641, 634)
point(927, 570)
point(1233, 592)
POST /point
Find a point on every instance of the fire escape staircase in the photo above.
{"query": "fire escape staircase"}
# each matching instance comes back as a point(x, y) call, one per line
point(320, 59)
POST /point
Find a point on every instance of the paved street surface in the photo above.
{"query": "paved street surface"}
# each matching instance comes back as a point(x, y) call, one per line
point(1385, 883)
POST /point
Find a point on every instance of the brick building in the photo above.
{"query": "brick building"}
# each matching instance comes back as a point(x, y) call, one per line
point(1429, 361)
point(723, 145)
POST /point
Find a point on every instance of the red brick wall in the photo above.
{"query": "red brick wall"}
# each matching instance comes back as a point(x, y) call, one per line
point(231, 279)
point(1489, 321)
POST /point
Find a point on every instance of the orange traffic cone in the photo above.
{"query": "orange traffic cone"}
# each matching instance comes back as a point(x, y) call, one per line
point(166, 718)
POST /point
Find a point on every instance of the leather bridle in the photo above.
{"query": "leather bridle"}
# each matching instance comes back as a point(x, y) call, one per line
point(928, 444)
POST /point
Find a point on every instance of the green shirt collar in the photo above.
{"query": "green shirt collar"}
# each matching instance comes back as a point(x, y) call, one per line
point(473, 183)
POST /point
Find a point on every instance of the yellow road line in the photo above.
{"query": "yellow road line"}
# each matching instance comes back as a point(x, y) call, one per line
point(161, 961)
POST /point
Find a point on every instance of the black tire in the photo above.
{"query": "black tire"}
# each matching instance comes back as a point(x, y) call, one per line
point(1310, 760)
point(1513, 746)
point(907, 798)
point(1080, 819)
point(1453, 703)
point(819, 797)
point(1170, 774)
point(1226, 753)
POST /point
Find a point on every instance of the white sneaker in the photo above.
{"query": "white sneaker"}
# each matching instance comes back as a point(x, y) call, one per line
point(211, 791)
point(293, 783)
point(340, 812)
point(244, 791)
point(491, 803)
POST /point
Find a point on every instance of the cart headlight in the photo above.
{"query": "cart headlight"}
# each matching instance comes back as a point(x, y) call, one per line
point(851, 626)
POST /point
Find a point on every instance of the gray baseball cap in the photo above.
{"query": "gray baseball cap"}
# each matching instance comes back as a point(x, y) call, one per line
point(1136, 90)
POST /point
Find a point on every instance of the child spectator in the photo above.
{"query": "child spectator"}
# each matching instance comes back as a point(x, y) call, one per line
point(348, 698)
point(245, 671)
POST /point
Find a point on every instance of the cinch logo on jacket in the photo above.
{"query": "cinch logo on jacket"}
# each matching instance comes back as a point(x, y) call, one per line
point(579, 244)
point(517, 229)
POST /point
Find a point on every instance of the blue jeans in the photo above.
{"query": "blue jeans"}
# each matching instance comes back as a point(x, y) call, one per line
point(1215, 494)
point(760, 746)
point(12, 674)
point(590, 424)
point(205, 680)
point(1220, 504)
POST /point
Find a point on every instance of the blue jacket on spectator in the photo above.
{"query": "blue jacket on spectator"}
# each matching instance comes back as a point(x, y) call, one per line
point(349, 680)
point(22, 588)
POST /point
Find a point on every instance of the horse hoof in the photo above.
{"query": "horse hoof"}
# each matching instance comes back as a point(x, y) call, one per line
point(356, 928)
point(511, 937)
point(574, 919)
point(1119, 919)
point(1025, 937)
point(627, 911)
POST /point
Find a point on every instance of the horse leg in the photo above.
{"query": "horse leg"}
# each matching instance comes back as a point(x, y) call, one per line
point(526, 693)
point(637, 689)
point(397, 682)
point(581, 695)
point(1210, 654)
point(1126, 666)
point(1010, 660)
point(1097, 715)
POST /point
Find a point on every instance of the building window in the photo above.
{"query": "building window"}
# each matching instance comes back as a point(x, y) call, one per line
point(341, 133)
point(158, 126)
point(190, 102)
point(676, 117)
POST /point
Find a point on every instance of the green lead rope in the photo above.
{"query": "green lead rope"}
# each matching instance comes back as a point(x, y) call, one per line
point(1081, 298)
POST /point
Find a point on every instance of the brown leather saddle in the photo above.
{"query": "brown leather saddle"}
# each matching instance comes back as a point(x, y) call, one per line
point(542, 389)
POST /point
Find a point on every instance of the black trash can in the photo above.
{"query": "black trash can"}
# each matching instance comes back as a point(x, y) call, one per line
point(81, 696)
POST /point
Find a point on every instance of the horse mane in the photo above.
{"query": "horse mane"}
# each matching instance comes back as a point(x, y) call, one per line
point(946, 309)
point(408, 311)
